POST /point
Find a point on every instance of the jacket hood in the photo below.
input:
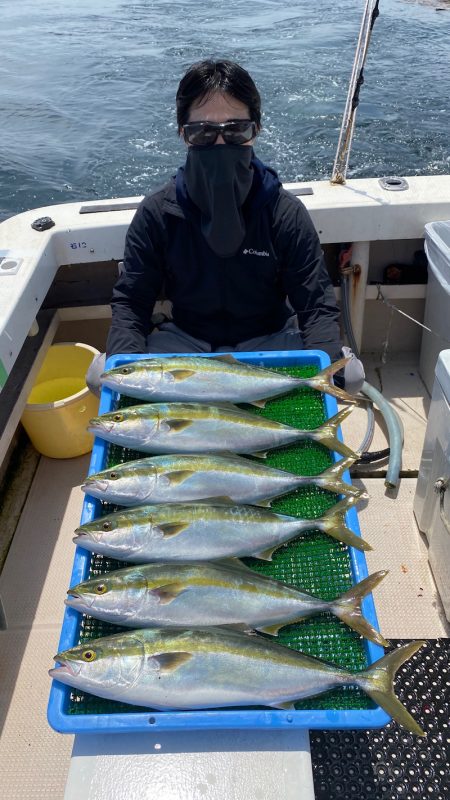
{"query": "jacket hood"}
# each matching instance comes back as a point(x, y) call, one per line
point(264, 189)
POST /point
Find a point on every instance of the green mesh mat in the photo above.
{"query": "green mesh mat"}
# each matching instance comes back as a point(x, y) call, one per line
point(313, 561)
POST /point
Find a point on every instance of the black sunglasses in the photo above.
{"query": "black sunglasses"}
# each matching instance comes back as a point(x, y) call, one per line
point(237, 131)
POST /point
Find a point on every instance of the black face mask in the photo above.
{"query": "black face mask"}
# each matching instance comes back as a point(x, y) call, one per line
point(218, 179)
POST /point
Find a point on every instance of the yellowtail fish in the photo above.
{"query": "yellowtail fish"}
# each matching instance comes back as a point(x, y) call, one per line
point(205, 532)
point(165, 428)
point(213, 379)
point(184, 478)
point(215, 668)
point(212, 593)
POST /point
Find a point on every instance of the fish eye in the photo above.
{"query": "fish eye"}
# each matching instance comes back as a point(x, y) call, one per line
point(113, 475)
point(101, 588)
point(107, 526)
point(118, 417)
point(127, 370)
point(89, 655)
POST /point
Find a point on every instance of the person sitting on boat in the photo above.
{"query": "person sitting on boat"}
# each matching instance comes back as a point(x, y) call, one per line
point(235, 253)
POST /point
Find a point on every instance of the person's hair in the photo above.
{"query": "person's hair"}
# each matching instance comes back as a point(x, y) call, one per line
point(207, 77)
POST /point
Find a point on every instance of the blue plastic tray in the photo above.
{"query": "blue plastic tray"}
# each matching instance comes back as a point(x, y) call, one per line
point(139, 721)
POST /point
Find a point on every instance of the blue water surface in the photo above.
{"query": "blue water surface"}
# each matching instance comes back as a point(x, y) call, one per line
point(87, 89)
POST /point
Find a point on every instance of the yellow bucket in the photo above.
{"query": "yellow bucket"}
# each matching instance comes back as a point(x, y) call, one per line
point(60, 405)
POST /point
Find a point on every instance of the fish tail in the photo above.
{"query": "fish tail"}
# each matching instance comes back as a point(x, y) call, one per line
point(378, 683)
point(348, 608)
point(347, 489)
point(323, 381)
point(333, 524)
point(326, 434)
point(331, 479)
point(338, 467)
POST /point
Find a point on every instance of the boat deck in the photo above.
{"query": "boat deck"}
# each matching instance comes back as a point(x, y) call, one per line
point(35, 761)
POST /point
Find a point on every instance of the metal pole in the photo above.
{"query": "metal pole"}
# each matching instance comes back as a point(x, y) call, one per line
point(357, 79)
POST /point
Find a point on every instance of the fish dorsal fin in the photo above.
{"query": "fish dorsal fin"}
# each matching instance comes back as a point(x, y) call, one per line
point(220, 500)
point(240, 627)
point(181, 374)
point(229, 455)
point(257, 403)
point(264, 503)
point(287, 706)
point(266, 555)
point(169, 662)
point(260, 454)
point(235, 563)
point(168, 592)
point(169, 529)
point(227, 359)
point(179, 476)
point(228, 407)
point(272, 630)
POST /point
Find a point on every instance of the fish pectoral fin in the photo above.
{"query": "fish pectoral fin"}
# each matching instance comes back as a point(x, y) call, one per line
point(287, 706)
point(179, 476)
point(266, 555)
point(272, 630)
point(169, 662)
point(182, 374)
point(168, 592)
point(175, 425)
point(257, 403)
point(169, 529)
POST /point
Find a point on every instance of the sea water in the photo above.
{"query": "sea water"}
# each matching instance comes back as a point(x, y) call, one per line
point(87, 89)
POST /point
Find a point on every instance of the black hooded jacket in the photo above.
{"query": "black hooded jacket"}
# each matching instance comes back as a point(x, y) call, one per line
point(224, 301)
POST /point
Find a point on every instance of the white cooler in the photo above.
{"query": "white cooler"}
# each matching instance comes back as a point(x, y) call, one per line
point(432, 498)
point(437, 302)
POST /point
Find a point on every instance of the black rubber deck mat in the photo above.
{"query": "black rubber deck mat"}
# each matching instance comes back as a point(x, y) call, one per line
point(390, 763)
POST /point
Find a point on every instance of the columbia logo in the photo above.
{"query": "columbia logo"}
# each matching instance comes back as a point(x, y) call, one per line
point(251, 252)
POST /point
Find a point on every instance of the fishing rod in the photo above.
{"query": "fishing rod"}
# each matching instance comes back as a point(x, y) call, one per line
point(370, 14)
